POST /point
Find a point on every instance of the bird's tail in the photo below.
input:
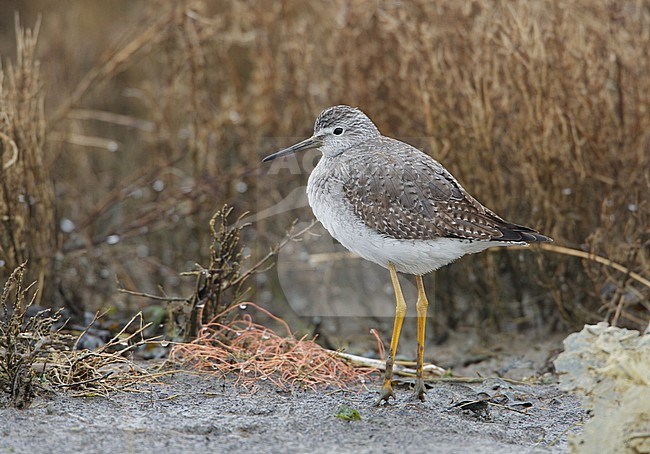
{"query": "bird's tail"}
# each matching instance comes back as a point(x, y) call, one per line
point(519, 233)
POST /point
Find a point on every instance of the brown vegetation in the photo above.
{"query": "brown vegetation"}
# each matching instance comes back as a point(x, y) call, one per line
point(37, 354)
point(24, 340)
point(252, 352)
point(158, 112)
point(27, 221)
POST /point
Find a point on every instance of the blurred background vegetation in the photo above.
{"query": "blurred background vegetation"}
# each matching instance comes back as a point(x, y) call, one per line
point(127, 124)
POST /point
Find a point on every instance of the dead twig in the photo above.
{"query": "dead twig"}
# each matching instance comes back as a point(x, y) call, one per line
point(25, 341)
point(106, 369)
point(112, 64)
point(595, 258)
point(152, 296)
point(398, 369)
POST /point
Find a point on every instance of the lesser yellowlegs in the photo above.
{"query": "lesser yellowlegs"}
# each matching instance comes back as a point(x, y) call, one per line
point(394, 205)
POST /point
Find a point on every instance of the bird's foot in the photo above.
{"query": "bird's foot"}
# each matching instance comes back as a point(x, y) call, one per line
point(385, 393)
point(420, 390)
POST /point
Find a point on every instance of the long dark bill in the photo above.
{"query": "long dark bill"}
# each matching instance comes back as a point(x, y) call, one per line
point(306, 144)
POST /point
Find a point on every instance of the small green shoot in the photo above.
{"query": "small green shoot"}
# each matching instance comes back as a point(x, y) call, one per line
point(348, 414)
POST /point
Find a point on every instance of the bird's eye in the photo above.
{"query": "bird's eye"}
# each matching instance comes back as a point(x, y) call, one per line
point(338, 131)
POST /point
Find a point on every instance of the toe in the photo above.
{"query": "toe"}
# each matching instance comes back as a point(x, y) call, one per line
point(420, 390)
point(385, 393)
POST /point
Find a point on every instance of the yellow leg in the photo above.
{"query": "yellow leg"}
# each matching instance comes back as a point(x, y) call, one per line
point(421, 308)
point(400, 311)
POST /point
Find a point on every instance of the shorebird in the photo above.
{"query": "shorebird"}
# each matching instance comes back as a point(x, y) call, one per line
point(394, 205)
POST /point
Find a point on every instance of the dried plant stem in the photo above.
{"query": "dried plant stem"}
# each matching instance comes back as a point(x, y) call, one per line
point(152, 296)
point(596, 258)
point(398, 369)
point(112, 65)
point(105, 369)
point(27, 223)
point(14, 151)
point(25, 341)
point(333, 256)
point(291, 235)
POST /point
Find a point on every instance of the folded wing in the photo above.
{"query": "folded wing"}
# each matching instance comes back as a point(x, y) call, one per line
point(411, 196)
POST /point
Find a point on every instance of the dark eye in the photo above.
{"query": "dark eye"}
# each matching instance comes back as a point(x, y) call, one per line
point(338, 131)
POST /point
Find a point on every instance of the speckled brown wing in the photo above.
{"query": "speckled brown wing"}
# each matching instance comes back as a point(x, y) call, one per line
point(405, 194)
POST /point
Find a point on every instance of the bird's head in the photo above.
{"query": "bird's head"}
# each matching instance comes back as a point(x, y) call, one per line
point(336, 129)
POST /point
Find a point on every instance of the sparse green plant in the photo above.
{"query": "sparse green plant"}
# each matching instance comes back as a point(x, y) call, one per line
point(348, 414)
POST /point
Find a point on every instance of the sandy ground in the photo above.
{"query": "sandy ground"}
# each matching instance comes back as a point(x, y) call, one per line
point(190, 413)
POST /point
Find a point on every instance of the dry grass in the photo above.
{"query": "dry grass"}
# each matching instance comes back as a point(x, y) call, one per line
point(25, 341)
point(36, 353)
point(252, 353)
point(27, 223)
point(540, 109)
point(104, 370)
